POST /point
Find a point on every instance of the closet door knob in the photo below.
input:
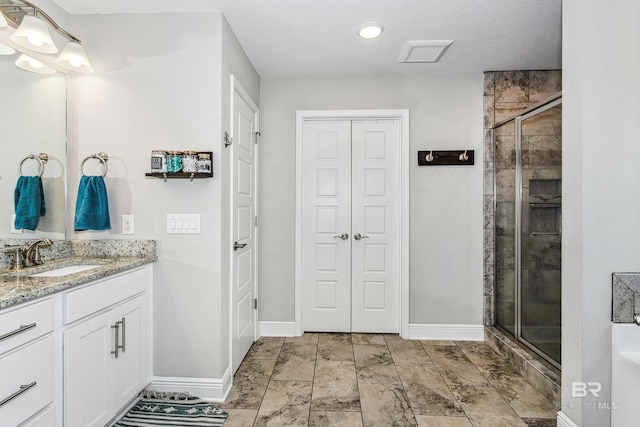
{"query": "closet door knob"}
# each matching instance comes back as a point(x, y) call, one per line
point(343, 236)
point(237, 245)
point(357, 236)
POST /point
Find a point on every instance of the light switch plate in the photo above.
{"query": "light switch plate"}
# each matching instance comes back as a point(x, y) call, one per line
point(183, 223)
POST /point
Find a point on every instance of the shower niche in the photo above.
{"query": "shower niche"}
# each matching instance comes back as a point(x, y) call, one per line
point(545, 202)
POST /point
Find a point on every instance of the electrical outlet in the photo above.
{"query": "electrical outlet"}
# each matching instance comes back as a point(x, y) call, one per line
point(127, 224)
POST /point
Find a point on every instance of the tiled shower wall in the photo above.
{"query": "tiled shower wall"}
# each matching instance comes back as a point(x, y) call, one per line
point(505, 94)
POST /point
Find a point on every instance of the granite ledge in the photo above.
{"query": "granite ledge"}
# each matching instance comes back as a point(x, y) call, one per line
point(17, 287)
point(626, 297)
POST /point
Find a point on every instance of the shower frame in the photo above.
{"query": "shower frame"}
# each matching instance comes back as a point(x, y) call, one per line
point(545, 105)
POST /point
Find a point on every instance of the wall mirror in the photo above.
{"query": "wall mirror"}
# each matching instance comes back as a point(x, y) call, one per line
point(33, 121)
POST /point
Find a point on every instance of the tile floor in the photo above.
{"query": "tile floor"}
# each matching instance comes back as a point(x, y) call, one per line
point(367, 380)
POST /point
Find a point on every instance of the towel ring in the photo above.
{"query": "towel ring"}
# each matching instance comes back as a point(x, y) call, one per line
point(102, 157)
point(42, 158)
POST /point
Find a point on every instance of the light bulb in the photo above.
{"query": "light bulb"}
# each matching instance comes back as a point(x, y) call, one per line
point(35, 63)
point(28, 63)
point(35, 40)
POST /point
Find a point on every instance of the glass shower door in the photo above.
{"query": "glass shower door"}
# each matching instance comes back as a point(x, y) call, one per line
point(539, 246)
point(528, 223)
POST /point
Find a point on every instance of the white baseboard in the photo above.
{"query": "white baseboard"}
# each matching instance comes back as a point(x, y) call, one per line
point(212, 389)
point(446, 332)
point(277, 329)
point(564, 421)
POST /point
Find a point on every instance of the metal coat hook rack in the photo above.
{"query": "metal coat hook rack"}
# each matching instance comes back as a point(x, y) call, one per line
point(446, 158)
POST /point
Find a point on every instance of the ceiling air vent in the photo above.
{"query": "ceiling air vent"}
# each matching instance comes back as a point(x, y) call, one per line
point(424, 51)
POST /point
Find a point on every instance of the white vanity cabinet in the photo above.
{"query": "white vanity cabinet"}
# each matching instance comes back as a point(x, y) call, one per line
point(107, 347)
point(26, 362)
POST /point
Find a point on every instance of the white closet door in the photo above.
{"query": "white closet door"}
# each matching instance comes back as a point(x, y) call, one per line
point(326, 226)
point(351, 232)
point(375, 207)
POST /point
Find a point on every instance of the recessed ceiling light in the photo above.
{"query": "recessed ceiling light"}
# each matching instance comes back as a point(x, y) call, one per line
point(370, 30)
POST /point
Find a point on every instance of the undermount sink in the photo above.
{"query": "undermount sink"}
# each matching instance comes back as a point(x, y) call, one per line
point(64, 271)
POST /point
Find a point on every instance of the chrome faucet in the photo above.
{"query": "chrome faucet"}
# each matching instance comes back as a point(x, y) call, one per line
point(32, 252)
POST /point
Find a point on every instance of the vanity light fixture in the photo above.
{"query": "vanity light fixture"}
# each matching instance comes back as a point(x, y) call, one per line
point(73, 57)
point(33, 33)
point(370, 30)
point(29, 64)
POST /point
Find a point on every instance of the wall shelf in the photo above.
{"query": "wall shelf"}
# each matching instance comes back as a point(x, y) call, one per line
point(179, 175)
point(183, 175)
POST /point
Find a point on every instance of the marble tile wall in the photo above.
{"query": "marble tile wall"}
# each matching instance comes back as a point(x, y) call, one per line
point(626, 297)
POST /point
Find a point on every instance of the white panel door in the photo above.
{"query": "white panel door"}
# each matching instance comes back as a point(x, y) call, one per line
point(351, 232)
point(327, 226)
point(243, 227)
point(375, 210)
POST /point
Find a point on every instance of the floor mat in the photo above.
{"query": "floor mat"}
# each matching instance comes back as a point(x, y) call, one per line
point(172, 409)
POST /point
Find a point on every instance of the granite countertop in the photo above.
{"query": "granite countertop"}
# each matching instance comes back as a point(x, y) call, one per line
point(17, 286)
point(112, 257)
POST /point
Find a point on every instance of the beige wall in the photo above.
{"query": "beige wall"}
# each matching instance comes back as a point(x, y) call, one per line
point(445, 202)
point(160, 83)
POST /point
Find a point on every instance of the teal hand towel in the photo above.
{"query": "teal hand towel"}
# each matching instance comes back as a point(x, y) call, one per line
point(28, 199)
point(92, 205)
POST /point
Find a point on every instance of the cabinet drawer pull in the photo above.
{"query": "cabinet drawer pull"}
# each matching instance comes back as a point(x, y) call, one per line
point(23, 388)
point(117, 335)
point(21, 329)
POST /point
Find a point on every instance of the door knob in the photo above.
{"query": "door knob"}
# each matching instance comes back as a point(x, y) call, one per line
point(357, 236)
point(343, 236)
point(237, 245)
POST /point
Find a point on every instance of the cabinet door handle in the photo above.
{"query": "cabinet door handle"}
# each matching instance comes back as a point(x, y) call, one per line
point(124, 337)
point(23, 389)
point(21, 329)
point(117, 335)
